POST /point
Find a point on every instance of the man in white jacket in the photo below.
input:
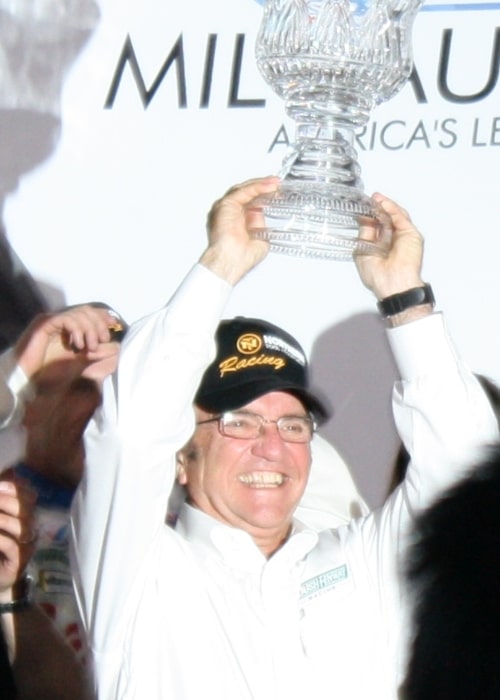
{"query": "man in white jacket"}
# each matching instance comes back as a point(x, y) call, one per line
point(240, 601)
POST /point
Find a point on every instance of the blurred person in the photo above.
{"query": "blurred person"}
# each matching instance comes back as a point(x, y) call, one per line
point(453, 576)
point(41, 666)
point(52, 384)
point(16, 546)
point(65, 394)
point(38, 344)
point(240, 599)
point(492, 390)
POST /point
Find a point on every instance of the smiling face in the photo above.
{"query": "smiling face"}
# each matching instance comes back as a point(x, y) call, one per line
point(252, 484)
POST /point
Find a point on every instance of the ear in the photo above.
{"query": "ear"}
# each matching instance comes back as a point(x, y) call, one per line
point(180, 467)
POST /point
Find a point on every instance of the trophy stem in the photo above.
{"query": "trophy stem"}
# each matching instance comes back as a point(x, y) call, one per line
point(323, 153)
point(320, 206)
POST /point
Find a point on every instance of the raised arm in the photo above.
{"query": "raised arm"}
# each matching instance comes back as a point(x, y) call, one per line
point(442, 413)
point(231, 253)
point(146, 416)
point(78, 335)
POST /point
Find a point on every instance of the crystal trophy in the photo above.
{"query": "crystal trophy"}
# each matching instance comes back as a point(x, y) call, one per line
point(332, 62)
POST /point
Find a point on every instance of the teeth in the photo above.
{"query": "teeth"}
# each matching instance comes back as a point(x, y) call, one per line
point(262, 479)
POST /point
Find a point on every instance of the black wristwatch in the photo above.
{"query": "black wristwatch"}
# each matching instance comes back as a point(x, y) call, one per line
point(397, 303)
point(23, 591)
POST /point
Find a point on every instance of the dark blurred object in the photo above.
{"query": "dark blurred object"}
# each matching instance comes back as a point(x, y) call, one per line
point(492, 392)
point(7, 687)
point(20, 298)
point(454, 573)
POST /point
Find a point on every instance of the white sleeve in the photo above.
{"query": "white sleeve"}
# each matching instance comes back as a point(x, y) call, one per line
point(445, 420)
point(14, 386)
point(442, 413)
point(131, 443)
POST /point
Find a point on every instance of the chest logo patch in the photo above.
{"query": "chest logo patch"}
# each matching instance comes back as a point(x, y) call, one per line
point(323, 582)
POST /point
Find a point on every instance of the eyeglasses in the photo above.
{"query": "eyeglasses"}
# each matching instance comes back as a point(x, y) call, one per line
point(244, 425)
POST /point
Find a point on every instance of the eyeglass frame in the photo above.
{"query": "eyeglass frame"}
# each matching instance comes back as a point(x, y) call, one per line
point(221, 417)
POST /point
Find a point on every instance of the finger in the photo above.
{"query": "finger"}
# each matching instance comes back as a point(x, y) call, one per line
point(21, 530)
point(118, 326)
point(16, 496)
point(255, 182)
point(17, 511)
point(14, 559)
point(246, 191)
point(28, 535)
point(11, 558)
point(18, 537)
point(399, 216)
point(369, 229)
point(86, 327)
point(240, 195)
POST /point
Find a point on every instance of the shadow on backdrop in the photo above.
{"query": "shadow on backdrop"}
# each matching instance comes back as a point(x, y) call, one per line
point(38, 43)
point(352, 364)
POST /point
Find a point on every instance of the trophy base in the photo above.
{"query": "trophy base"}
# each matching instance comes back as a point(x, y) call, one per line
point(319, 221)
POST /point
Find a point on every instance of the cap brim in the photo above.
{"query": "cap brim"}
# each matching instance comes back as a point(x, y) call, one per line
point(230, 399)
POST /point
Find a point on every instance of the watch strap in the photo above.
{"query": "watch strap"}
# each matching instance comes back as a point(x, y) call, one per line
point(25, 599)
point(397, 303)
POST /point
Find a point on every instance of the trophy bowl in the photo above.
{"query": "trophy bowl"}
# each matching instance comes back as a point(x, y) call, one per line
point(332, 62)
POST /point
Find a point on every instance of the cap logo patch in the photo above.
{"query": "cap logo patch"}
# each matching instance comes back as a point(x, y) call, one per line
point(272, 342)
point(249, 343)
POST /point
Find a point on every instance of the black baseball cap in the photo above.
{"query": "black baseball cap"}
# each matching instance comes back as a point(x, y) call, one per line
point(253, 358)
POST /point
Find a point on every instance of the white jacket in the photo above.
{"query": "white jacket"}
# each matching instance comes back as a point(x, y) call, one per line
point(199, 612)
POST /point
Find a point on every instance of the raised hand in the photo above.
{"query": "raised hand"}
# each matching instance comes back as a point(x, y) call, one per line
point(401, 268)
point(231, 252)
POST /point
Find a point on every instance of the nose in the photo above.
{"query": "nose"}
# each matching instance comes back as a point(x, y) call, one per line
point(269, 444)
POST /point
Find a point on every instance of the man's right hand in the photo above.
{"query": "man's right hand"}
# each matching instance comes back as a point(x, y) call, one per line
point(231, 252)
